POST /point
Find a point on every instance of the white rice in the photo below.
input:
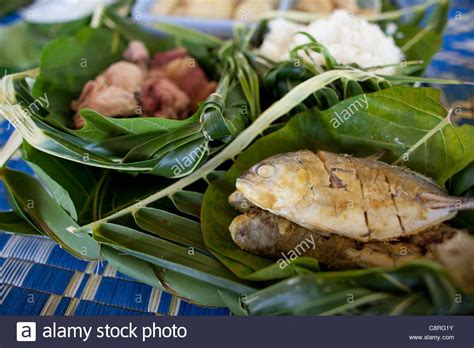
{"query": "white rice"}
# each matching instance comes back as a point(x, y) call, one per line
point(349, 39)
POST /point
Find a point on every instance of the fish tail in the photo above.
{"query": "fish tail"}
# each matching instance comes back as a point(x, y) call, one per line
point(434, 201)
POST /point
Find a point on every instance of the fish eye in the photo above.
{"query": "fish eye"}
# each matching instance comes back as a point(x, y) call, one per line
point(265, 170)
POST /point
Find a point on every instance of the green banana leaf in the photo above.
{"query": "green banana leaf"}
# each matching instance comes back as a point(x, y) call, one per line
point(55, 190)
point(99, 128)
point(14, 223)
point(188, 202)
point(23, 50)
point(191, 290)
point(94, 193)
point(417, 288)
point(462, 184)
point(35, 205)
point(25, 40)
point(170, 226)
point(420, 32)
point(8, 6)
point(165, 273)
point(462, 181)
point(77, 180)
point(169, 256)
point(131, 266)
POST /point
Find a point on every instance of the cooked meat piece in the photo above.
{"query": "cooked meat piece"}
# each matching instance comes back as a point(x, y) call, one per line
point(186, 73)
point(160, 59)
point(112, 93)
point(89, 91)
point(125, 75)
point(162, 98)
point(114, 101)
point(107, 100)
point(137, 53)
point(191, 79)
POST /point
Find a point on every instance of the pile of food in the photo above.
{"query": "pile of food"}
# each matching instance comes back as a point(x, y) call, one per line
point(349, 39)
point(169, 85)
point(233, 173)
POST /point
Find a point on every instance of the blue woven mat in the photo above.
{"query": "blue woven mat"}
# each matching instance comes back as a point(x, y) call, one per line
point(39, 278)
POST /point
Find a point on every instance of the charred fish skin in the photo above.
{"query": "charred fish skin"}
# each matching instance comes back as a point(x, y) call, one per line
point(257, 233)
point(360, 198)
point(265, 234)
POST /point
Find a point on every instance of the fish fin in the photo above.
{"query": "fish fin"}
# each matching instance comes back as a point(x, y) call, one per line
point(335, 181)
point(435, 201)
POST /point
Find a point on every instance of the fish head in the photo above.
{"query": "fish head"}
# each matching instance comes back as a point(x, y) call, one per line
point(275, 183)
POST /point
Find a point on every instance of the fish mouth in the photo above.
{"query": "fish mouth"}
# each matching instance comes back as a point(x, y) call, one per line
point(243, 182)
point(246, 186)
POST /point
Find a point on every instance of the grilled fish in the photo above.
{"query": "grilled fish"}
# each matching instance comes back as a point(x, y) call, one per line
point(263, 233)
point(359, 198)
